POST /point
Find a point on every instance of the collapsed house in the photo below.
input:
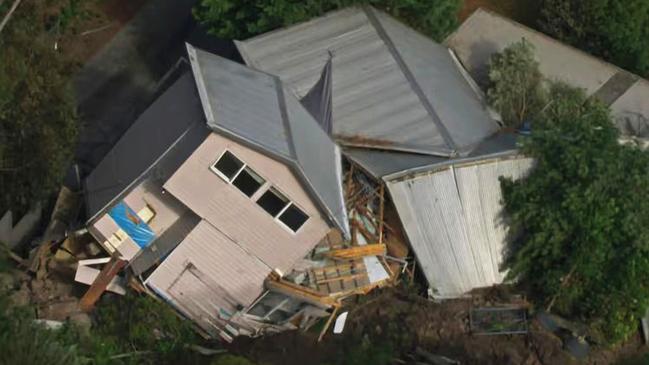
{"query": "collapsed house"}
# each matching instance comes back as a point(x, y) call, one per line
point(411, 119)
point(227, 198)
point(409, 115)
point(217, 198)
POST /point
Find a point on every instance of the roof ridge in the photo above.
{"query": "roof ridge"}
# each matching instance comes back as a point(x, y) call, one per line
point(374, 21)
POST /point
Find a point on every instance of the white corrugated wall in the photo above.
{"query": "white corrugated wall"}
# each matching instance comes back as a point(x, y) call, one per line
point(453, 220)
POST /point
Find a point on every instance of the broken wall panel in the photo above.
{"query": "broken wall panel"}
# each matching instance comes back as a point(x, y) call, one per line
point(453, 220)
point(208, 270)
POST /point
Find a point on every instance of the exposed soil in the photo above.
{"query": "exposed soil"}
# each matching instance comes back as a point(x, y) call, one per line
point(522, 11)
point(407, 321)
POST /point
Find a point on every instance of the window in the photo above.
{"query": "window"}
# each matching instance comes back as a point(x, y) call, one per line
point(248, 182)
point(237, 173)
point(228, 165)
point(273, 202)
point(278, 206)
point(293, 217)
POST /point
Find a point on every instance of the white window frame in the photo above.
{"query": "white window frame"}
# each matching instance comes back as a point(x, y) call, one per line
point(266, 186)
point(243, 167)
point(220, 174)
point(290, 203)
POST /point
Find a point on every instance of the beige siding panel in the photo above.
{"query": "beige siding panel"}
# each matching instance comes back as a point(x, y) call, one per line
point(239, 217)
point(224, 274)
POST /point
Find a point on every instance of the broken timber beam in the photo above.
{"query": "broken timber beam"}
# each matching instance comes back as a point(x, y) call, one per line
point(108, 272)
point(357, 252)
point(298, 291)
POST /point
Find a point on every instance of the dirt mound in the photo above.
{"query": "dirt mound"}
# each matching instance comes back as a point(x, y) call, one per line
point(405, 321)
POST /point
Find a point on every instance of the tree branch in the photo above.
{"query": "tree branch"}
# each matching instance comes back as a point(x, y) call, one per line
point(9, 14)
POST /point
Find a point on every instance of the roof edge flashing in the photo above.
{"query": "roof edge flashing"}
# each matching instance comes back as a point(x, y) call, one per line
point(200, 83)
point(433, 168)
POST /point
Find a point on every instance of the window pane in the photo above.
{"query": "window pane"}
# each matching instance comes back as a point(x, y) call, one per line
point(272, 201)
point(293, 217)
point(228, 165)
point(248, 182)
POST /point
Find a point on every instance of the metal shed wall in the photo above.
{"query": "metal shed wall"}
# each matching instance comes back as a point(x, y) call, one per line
point(452, 218)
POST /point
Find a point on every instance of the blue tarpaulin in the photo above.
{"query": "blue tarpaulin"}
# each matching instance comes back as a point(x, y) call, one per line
point(132, 224)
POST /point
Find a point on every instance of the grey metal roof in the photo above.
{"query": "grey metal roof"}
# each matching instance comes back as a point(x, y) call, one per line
point(157, 143)
point(254, 108)
point(631, 110)
point(380, 164)
point(318, 100)
point(392, 87)
point(485, 33)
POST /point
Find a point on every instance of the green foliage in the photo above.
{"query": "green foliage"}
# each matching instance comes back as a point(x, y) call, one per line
point(368, 353)
point(516, 83)
point(617, 30)
point(140, 323)
point(240, 19)
point(23, 342)
point(38, 123)
point(579, 222)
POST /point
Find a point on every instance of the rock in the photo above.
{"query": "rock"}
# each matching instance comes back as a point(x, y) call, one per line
point(82, 321)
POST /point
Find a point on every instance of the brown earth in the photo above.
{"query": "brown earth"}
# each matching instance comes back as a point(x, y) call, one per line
point(406, 321)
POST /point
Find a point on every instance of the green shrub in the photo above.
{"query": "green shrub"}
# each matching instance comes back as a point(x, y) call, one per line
point(240, 19)
point(579, 229)
point(617, 30)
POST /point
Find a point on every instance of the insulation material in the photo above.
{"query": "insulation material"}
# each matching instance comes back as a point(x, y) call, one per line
point(453, 220)
point(132, 224)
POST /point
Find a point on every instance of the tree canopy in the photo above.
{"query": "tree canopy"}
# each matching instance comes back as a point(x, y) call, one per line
point(38, 123)
point(241, 19)
point(515, 89)
point(617, 30)
point(579, 222)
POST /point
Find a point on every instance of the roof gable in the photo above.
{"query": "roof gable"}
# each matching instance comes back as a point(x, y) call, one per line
point(384, 93)
point(254, 108)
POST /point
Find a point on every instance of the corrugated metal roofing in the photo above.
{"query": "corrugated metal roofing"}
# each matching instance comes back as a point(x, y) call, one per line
point(254, 108)
point(173, 126)
point(380, 164)
point(452, 218)
point(485, 33)
point(392, 87)
point(632, 110)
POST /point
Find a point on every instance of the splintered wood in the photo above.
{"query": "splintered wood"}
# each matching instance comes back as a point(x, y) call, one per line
point(357, 252)
point(343, 277)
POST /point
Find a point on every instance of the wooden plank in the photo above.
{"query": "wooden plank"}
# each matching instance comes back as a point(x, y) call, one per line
point(381, 208)
point(326, 327)
point(87, 275)
point(342, 278)
point(109, 271)
point(301, 292)
point(357, 252)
